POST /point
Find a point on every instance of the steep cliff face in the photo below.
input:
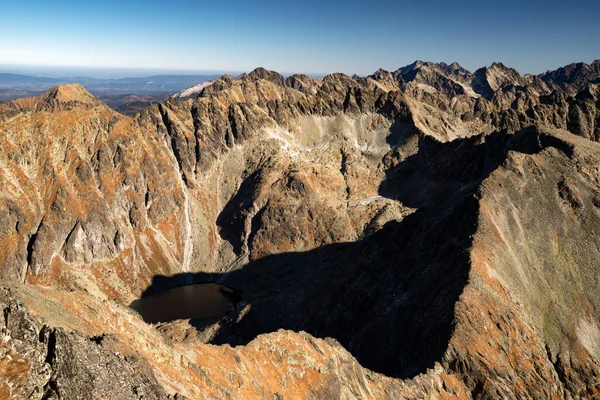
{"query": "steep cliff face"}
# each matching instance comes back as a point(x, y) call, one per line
point(544, 258)
point(437, 225)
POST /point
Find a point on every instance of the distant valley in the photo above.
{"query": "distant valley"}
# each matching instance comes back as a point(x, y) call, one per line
point(126, 95)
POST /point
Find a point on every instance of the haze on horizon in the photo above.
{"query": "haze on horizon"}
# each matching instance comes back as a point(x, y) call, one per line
point(301, 36)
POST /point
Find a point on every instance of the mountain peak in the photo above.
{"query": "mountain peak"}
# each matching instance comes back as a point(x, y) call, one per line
point(487, 80)
point(441, 67)
point(455, 65)
point(261, 73)
point(66, 97)
point(381, 74)
point(415, 65)
point(497, 64)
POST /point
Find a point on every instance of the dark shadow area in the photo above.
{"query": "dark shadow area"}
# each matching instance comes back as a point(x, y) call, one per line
point(401, 131)
point(389, 298)
point(440, 173)
point(231, 219)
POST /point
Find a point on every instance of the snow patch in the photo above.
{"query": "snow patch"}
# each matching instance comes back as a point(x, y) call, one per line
point(194, 90)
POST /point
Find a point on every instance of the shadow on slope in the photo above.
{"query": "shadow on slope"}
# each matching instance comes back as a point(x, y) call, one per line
point(231, 220)
point(389, 298)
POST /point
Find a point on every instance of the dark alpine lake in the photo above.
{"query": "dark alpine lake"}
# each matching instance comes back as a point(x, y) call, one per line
point(200, 301)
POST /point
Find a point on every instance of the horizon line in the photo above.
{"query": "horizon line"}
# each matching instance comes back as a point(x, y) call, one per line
point(221, 72)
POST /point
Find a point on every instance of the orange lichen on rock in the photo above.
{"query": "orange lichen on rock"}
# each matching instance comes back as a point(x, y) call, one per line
point(15, 372)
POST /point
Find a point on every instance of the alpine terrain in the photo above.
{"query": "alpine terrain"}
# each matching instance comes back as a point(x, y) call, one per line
point(422, 233)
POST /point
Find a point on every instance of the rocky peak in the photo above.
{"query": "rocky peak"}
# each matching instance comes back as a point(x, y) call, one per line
point(431, 77)
point(457, 67)
point(410, 70)
point(66, 97)
point(223, 83)
point(488, 80)
point(381, 74)
point(415, 65)
point(337, 82)
point(336, 77)
point(573, 77)
point(385, 79)
point(454, 69)
point(302, 83)
point(261, 73)
point(498, 65)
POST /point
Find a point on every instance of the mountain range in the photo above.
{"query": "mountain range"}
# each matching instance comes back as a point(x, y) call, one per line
point(126, 95)
point(421, 233)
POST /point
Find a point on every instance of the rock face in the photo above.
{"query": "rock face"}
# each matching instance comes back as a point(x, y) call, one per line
point(420, 233)
point(43, 362)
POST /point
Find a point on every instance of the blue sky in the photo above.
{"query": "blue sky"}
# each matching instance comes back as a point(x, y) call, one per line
point(302, 36)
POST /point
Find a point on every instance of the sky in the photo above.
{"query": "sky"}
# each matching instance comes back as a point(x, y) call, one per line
point(315, 37)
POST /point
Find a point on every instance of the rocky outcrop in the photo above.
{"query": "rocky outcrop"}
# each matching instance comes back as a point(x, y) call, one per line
point(436, 225)
point(42, 362)
point(573, 77)
point(488, 80)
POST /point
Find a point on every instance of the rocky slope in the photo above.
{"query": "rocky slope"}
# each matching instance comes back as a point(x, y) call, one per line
point(427, 232)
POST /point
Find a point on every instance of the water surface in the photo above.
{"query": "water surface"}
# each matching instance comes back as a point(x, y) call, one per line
point(200, 301)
